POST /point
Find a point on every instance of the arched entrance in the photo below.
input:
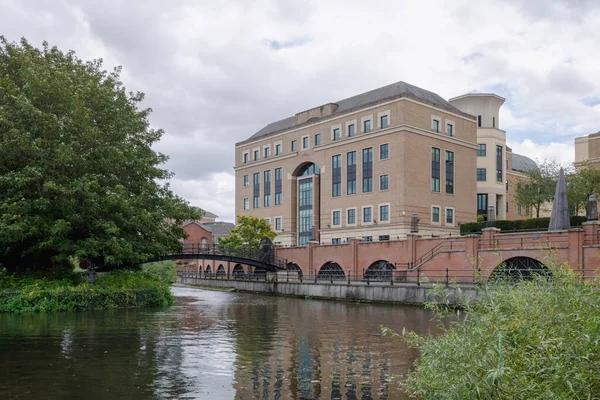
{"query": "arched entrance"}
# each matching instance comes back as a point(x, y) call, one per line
point(379, 271)
point(221, 270)
point(238, 271)
point(519, 268)
point(295, 268)
point(208, 271)
point(308, 175)
point(331, 270)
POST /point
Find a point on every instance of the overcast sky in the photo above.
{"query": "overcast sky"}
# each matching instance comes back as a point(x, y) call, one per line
point(215, 72)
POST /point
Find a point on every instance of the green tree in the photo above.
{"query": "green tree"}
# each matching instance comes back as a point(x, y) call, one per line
point(78, 176)
point(583, 183)
point(248, 232)
point(539, 186)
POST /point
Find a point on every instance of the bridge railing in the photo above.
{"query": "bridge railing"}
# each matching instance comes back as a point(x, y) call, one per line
point(534, 240)
point(266, 257)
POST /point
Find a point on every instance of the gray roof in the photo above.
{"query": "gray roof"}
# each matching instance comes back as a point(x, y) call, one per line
point(218, 228)
point(523, 164)
point(395, 90)
point(205, 213)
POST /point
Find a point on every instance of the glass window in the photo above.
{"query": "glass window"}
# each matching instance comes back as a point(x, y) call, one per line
point(367, 214)
point(519, 209)
point(499, 163)
point(481, 172)
point(383, 121)
point(277, 223)
point(336, 241)
point(268, 221)
point(317, 139)
point(450, 216)
point(435, 214)
point(246, 204)
point(278, 186)
point(351, 172)
point(336, 134)
point(527, 210)
point(245, 158)
point(435, 125)
point(493, 122)
point(449, 172)
point(294, 145)
point(255, 155)
point(351, 130)
point(277, 149)
point(449, 129)
point(481, 150)
point(482, 204)
point(337, 218)
point(383, 182)
point(367, 126)
point(507, 207)
point(384, 238)
point(246, 181)
point(305, 142)
point(479, 121)
point(367, 170)
point(435, 169)
point(384, 213)
point(351, 216)
point(267, 152)
point(384, 151)
point(256, 189)
point(367, 238)
point(336, 178)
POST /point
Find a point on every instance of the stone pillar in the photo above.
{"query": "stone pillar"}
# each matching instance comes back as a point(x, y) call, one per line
point(472, 249)
point(487, 237)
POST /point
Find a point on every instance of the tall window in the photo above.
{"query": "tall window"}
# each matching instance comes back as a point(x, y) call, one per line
point(256, 190)
point(267, 189)
point(384, 213)
point(384, 152)
point(317, 139)
point(351, 172)
point(450, 172)
point(383, 121)
point(435, 125)
point(277, 149)
point(351, 130)
point(527, 209)
point(482, 204)
point(481, 150)
point(294, 145)
point(267, 152)
point(336, 220)
point(336, 175)
point(277, 223)
point(435, 169)
point(481, 174)
point(256, 155)
point(351, 216)
point(246, 181)
point(278, 185)
point(367, 170)
point(383, 182)
point(449, 216)
point(435, 215)
point(499, 163)
point(367, 126)
point(367, 214)
point(479, 121)
point(305, 142)
point(245, 158)
point(246, 204)
point(519, 209)
point(493, 122)
point(449, 130)
point(336, 134)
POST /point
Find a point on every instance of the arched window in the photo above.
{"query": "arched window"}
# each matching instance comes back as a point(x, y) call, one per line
point(221, 270)
point(238, 271)
point(294, 267)
point(519, 268)
point(331, 270)
point(379, 271)
point(309, 169)
point(207, 270)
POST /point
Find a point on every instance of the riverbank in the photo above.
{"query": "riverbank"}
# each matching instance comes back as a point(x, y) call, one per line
point(68, 292)
point(376, 292)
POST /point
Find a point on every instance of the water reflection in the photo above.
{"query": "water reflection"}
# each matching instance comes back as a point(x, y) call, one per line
point(212, 345)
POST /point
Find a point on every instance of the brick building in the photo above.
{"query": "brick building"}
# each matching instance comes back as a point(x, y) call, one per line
point(206, 231)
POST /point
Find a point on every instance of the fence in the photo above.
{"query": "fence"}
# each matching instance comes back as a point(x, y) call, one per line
point(536, 240)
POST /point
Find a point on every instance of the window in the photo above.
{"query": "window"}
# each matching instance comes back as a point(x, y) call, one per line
point(506, 186)
point(384, 213)
point(305, 142)
point(449, 130)
point(294, 145)
point(499, 163)
point(336, 218)
point(435, 215)
point(383, 182)
point(268, 221)
point(435, 169)
point(481, 172)
point(482, 204)
point(481, 150)
point(317, 139)
point(351, 172)
point(351, 220)
point(336, 175)
point(256, 155)
point(267, 189)
point(336, 241)
point(367, 238)
point(246, 181)
point(449, 172)
point(507, 207)
point(435, 125)
point(383, 120)
point(256, 189)
point(336, 134)
point(246, 204)
point(507, 163)
point(277, 149)
point(384, 238)
point(245, 158)
point(278, 181)
point(449, 216)
point(351, 130)
point(367, 170)
point(479, 121)
point(527, 210)
point(519, 209)
point(493, 122)
point(367, 126)
point(367, 214)
point(267, 152)
point(384, 151)
point(278, 223)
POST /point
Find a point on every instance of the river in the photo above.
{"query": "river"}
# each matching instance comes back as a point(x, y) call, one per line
point(210, 345)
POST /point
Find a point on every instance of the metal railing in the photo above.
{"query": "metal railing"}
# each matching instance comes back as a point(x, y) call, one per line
point(535, 240)
point(265, 257)
point(448, 245)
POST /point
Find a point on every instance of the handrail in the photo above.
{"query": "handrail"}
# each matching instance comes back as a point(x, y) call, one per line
point(430, 254)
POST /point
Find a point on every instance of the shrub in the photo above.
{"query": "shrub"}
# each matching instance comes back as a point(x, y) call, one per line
point(519, 224)
point(536, 340)
point(166, 271)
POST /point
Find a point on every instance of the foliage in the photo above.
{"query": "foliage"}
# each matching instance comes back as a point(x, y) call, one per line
point(512, 225)
point(79, 178)
point(480, 218)
point(249, 231)
point(117, 289)
point(539, 187)
point(581, 185)
point(166, 271)
point(535, 340)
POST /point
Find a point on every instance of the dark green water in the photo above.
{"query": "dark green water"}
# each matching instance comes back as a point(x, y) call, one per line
point(211, 345)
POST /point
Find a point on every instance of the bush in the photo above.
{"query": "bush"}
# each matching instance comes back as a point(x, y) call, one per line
point(515, 225)
point(536, 340)
point(166, 271)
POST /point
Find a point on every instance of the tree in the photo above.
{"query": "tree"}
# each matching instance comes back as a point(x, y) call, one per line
point(539, 186)
point(583, 183)
point(78, 176)
point(248, 232)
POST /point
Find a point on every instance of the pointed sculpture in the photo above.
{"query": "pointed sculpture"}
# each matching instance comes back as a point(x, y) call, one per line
point(559, 220)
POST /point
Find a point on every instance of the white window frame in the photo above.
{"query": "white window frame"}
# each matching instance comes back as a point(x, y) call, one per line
point(280, 224)
point(307, 137)
point(280, 143)
point(362, 123)
point(388, 157)
point(389, 206)
point(379, 183)
point(334, 127)
point(453, 124)
point(362, 215)
point(253, 152)
point(385, 113)
point(340, 211)
point(246, 179)
point(268, 220)
point(440, 120)
point(247, 152)
point(246, 203)
point(348, 123)
point(267, 146)
point(453, 216)
point(431, 214)
point(355, 216)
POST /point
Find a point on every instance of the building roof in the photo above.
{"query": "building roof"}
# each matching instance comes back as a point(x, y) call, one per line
point(523, 164)
point(205, 213)
point(385, 93)
point(218, 228)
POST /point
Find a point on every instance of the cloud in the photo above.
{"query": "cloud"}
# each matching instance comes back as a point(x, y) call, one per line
point(564, 153)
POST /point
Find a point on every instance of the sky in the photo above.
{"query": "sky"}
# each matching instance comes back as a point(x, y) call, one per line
point(215, 72)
